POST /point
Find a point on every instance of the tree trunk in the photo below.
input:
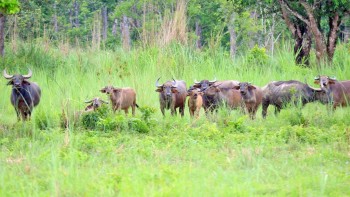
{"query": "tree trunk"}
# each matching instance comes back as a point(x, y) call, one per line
point(233, 37)
point(114, 27)
point(125, 33)
point(302, 38)
point(199, 35)
point(334, 23)
point(104, 23)
point(71, 18)
point(54, 18)
point(76, 14)
point(252, 35)
point(2, 34)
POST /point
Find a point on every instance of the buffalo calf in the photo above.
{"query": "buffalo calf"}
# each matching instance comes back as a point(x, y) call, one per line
point(195, 101)
point(121, 98)
point(94, 104)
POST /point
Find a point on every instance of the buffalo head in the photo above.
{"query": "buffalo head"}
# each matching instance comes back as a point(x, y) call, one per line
point(324, 82)
point(245, 88)
point(167, 88)
point(194, 92)
point(17, 80)
point(95, 103)
point(204, 84)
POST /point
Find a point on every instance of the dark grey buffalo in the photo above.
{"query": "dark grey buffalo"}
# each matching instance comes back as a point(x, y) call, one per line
point(203, 84)
point(221, 93)
point(280, 93)
point(251, 97)
point(172, 95)
point(25, 94)
point(338, 92)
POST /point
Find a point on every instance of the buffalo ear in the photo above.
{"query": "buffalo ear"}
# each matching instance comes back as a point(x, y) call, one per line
point(116, 90)
point(236, 87)
point(197, 85)
point(26, 82)
point(331, 81)
point(159, 90)
point(174, 90)
point(10, 83)
point(317, 81)
point(103, 90)
point(251, 87)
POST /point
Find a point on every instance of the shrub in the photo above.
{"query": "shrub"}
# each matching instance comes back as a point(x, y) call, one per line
point(138, 125)
point(257, 55)
point(90, 120)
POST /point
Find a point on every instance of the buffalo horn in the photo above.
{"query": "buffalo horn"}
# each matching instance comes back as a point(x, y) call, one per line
point(29, 75)
point(89, 101)
point(196, 82)
point(104, 101)
point(157, 83)
point(333, 78)
point(213, 81)
point(317, 77)
point(174, 84)
point(7, 76)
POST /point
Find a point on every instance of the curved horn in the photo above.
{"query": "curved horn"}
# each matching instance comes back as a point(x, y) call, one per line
point(317, 77)
point(89, 101)
point(29, 75)
point(157, 83)
point(174, 84)
point(7, 76)
point(213, 81)
point(104, 101)
point(196, 82)
point(333, 78)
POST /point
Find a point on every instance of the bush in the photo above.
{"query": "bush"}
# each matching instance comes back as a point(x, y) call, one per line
point(257, 55)
point(90, 120)
point(138, 125)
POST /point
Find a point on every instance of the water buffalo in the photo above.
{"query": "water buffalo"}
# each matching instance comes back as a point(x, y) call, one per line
point(25, 94)
point(221, 92)
point(172, 95)
point(121, 98)
point(338, 92)
point(94, 104)
point(195, 101)
point(251, 96)
point(203, 84)
point(280, 93)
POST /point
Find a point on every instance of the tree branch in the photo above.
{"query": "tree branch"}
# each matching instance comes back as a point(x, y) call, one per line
point(296, 14)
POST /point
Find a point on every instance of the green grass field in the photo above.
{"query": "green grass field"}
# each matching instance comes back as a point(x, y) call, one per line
point(300, 152)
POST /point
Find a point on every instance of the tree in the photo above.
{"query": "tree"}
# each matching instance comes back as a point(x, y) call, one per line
point(322, 18)
point(7, 7)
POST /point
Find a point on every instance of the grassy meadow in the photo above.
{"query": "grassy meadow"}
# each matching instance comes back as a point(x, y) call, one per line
point(300, 152)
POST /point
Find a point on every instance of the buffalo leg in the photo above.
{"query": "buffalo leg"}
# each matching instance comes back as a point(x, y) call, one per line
point(126, 111)
point(162, 110)
point(133, 109)
point(277, 109)
point(265, 105)
point(181, 110)
point(18, 115)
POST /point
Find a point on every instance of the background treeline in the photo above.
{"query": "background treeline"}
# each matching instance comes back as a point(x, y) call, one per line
point(233, 25)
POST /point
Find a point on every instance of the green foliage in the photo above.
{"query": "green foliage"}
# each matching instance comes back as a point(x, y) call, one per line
point(90, 120)
point(257, 56)
point(9, 6)
point(138, 125)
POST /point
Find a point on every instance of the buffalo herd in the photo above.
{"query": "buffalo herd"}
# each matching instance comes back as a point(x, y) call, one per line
point(209, 95)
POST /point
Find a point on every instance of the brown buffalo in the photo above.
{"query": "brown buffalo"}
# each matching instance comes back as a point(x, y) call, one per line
point(172, 95)
point(280, 93)
point(94, 104)
point(251, 96)
point(337, 92)
point(25, 94)
point(221, 92)
point(195, 101)
point(121, 98)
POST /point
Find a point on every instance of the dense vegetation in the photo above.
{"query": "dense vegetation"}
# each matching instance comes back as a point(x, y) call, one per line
point(300, 152)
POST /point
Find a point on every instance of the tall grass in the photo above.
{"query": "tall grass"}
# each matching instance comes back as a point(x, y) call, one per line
point(300, 152)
